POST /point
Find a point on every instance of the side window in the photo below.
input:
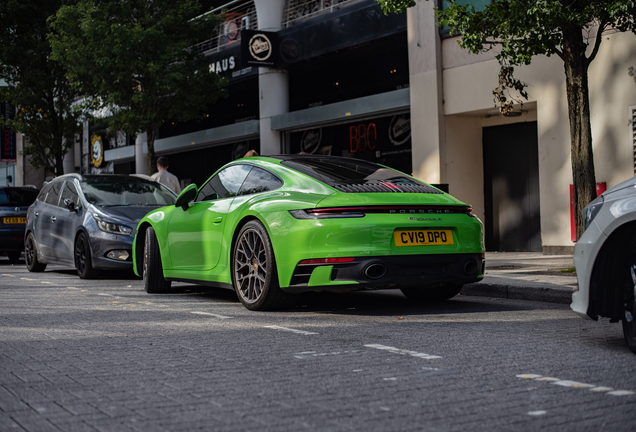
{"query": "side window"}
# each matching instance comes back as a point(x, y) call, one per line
point(207, 192)
point(43, 192)
point(231, 179)
point(54, 193)
point(259, 180)
point(225, 184)
point(69, 192)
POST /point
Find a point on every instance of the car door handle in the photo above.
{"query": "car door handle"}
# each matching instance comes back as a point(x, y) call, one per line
point(217, 219)
point(53, 218)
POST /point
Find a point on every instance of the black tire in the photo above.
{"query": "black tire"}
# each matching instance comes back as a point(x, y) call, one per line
point(83, 260)
point(152, 270)
point(14, 256)
point(31, 255)
point(432, 294)
point(629, 314)
point(254, 271)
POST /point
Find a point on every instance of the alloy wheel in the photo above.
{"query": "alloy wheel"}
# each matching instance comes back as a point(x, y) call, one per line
point(250, 265)
point(29, 251)
point(80, 254)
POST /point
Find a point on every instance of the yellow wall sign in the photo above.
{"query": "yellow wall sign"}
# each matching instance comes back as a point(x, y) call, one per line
point(97, 151)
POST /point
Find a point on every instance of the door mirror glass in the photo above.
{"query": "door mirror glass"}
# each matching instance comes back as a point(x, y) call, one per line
point(186, 196)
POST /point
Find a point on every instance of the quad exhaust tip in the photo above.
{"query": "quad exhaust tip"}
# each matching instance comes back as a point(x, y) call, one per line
point(375, 271)
point(470, 267)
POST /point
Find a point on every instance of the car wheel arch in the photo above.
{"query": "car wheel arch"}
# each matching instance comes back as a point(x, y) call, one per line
point(82, 230)
point(138, 253)
point(605, 296)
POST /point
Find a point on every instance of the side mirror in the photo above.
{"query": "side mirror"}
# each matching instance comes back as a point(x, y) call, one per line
point(70, 205)
point(186, 196)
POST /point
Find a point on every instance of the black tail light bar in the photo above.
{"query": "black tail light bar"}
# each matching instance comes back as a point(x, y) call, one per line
point(358, 212)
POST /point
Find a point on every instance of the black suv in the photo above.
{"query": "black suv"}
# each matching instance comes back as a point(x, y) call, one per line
point(14, 202)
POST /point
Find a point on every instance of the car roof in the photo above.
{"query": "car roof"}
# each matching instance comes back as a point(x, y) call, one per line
point(102, 177)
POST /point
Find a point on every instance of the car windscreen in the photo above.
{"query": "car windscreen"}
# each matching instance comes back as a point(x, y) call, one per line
point(342, 171)
point(17, 197)
point(104, 191)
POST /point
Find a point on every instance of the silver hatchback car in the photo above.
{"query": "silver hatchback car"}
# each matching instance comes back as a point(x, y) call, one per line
point(89, 221)
point(605, 260)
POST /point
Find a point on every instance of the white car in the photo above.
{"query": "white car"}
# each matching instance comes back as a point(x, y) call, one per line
point(605, 260)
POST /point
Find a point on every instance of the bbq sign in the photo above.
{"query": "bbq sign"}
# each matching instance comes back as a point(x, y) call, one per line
point(259, 48)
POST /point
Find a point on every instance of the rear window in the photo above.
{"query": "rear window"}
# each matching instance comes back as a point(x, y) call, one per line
point(334, 171)
point(354, 175)
point(17, 197)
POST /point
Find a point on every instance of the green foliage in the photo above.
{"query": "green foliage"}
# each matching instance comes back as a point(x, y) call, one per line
point(136, 60)
point(526, 28)
point(37, 87)
point(396, 6)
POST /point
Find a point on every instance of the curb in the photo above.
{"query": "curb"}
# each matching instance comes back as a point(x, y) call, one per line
point(516, 290)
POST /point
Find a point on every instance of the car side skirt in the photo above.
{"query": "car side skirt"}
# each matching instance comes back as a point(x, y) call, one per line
point(204, 282)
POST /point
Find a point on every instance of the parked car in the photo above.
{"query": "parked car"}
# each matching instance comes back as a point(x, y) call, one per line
point(271, 227)
point(605, 260)
point(88, 221)
point(14, 202)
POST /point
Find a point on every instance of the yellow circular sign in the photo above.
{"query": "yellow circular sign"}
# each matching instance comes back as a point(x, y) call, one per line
point(97, 151)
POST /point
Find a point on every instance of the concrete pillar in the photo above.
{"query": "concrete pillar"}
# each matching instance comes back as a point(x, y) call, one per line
point(141, 159)
point(273, 84)
point(69, 160)
point(19, 164)
point(428, 126)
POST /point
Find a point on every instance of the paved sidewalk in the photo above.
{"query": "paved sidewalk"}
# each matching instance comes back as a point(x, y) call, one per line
point(526, 276)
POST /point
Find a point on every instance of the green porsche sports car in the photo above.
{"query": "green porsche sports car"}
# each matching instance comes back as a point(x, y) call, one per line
point(273, 227)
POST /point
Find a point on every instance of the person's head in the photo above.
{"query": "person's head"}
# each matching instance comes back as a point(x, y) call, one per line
point(251, 153)
point(162, 163)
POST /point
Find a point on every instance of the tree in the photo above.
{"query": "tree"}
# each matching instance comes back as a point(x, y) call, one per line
point(522, 29)
point(37, 86)
point(137, 60)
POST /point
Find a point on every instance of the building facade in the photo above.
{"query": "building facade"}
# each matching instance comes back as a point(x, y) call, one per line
point(342, 78)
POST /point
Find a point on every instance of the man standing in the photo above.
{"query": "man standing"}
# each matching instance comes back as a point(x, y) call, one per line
point(164, 177)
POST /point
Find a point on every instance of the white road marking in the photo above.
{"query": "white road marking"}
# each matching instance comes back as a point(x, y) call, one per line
point(105, 295)
point(72, 288)
point(537, 413)
point(621, 393)
point(8, 275)
point(313, 354)
point(212, 315)
point(402, 351)
point(565, 383)
point(574, 384)
point(28, 279)
point(48, 283)
point(303, 332)
point(390, 379)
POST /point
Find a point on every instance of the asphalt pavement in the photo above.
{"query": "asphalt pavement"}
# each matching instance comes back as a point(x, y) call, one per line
point(526, 276)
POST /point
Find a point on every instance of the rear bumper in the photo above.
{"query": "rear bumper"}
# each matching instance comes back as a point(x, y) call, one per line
point(389, 272)
point(11, 240)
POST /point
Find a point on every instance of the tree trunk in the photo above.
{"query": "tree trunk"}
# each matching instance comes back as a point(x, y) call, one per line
point(576, 81)
point(152, 163)
point(59, 163)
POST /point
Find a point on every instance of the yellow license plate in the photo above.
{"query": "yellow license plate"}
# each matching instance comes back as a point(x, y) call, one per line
point(423, 237)
point(14, 220)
